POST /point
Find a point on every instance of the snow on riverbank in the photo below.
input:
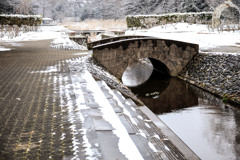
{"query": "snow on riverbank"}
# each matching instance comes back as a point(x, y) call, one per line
point(64, 42)
point(4, 49)
point(57, 33)
point(192, 33)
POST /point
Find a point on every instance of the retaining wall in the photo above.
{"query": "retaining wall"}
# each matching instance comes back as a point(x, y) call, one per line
point(217, 73)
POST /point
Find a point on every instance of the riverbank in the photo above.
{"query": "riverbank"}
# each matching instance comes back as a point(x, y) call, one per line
point(217, 73)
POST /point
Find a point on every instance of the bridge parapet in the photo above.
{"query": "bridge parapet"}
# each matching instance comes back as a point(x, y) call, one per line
point(108, 40)
point(118, 55)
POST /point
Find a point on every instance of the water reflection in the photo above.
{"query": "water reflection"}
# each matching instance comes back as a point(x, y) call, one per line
point(165, 94)
point(207, 125)
point(138, 73)
point(209, 131)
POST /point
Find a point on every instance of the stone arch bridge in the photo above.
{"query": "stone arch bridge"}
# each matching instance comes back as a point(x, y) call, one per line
point(116, 56)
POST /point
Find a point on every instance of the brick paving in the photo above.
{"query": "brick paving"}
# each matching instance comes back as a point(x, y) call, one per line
point(34, 117)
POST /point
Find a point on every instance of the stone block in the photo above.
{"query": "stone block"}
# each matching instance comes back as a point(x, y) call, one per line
point(105, 50)
point(173, 50)
point(144, 54)
point(161, 44)
point(143, 49)
point(179, 53)
point(149, 43)
point(114, 54)
point(156, 48)
point(134, 45)
point(119, 59)
point(179, 61)
point(127, 52)
point(166, 50)
point(178, 68)
point(186, 54)
point(143, 44)
point(149, 48)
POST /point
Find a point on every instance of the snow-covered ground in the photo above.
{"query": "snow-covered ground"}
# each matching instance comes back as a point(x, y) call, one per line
point(193, 33)
point(58, 34)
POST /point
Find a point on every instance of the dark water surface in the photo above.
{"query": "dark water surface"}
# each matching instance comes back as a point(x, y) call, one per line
point(207, 125)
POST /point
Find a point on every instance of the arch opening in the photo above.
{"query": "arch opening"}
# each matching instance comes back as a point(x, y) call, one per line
point(230, 16)
point(161, 69)
point(226, 15)
point(144, 69)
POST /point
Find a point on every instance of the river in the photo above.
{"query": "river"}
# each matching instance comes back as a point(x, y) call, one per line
point(208, 126)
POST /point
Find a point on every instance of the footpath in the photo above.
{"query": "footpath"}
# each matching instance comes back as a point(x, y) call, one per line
point(52, 107)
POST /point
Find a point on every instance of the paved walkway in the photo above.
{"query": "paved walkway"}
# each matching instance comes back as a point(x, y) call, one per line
point(51, 110)
point(32, 120)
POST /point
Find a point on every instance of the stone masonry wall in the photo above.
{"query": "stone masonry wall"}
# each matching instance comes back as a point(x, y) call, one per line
point(117, 56)
point(216, 73)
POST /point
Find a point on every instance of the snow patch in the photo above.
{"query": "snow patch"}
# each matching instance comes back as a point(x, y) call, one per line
point(5, 49)
point(223, 53)
point(152, 147)
point(140, 117)
point(156, 136)
point(64, 42)
point(49, 69)
point(83, 53)
point(166, 148)
point(21, 16)
point(57, 33)
point(142, 133)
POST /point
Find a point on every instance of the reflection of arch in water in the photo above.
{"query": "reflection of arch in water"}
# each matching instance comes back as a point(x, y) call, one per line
point(218, 12)
point(137, 73)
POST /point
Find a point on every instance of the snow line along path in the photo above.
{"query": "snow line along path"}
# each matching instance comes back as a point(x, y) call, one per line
point(108, 114)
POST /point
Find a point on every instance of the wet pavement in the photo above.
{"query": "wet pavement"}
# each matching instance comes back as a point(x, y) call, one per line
point(52, 108)
point(33, 122)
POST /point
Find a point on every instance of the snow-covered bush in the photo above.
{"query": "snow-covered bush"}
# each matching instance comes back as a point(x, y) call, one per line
point(148, 21)
point(12, 25)
point(20, 20)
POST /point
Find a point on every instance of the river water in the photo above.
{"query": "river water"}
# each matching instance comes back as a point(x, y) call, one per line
point(207, 125)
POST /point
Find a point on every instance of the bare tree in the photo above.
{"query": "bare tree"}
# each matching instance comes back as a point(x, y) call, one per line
point(23, 6)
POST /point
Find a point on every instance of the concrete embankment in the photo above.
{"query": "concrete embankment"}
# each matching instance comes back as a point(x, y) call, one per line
point(217, 73)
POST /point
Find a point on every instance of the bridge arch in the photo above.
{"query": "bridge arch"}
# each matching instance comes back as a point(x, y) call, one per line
point(216, 22)
point(117, 56)
point(159, 66)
